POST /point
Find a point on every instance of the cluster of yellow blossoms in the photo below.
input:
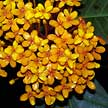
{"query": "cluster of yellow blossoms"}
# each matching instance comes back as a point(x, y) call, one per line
point(55, 49)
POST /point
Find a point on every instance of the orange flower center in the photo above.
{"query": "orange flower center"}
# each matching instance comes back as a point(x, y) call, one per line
point(10, 22)
point(8, 57)
point(59, 53)
point(30, 94)
point(22, 10)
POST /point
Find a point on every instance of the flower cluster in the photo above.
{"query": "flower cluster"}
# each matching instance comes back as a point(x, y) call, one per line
point(55, 49)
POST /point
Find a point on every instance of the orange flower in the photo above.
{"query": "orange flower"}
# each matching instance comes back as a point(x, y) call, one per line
point(58, 24)
point(61, 40)
point(56, 53)
point(22, 8)
point(10, 23)
point(68, 2)
point(44, 11)
point(31, 41)
point(24, 57)
point(6, 57)
point(5, 12)
point(17, 35)
point(70, 18)
point(65, 88)
point(30, 94)
point(84, 33)
point(97, 52)
point(44, 54)
point(48, 93)
point(84, 52)
point(52, 74)
point(28, 75)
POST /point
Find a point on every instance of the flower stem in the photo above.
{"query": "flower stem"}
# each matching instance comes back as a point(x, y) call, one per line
point(45, 27)
point(38, 26)
point(34, 3)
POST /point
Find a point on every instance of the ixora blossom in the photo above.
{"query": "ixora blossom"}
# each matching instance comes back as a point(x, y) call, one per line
point(53, 50)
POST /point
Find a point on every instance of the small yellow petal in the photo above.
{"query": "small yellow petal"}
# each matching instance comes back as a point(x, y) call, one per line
point(34, 78)
point(29, 14)
point(62, 60)
point(24, 97)
point(50, 80)
point(32, 100)
point(58, 88)
point(60, 67)
point(67, 52)
point(91, 85)
point(71, 63)
point(100, 49)
point(96, 56)
point(70, 71)
point(20, 20)
point(3, 73)
point(49, 8)
point(53, 23)
point(60, 97)
point(81, 32)
point(79, 89)
point(28, 88)
point(58, 75)
point(12, 64)
point(61, 4)
point(88, 35)
point(11, 82)
point(74, 78)
point(49, 100)
point(90, 65)
point(65, 93)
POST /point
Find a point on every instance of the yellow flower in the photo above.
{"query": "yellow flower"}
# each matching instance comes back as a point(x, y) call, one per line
point(70, 18)
point(24, 57)
point(29, 95)
point(68, 2)
point(6, 57)
point(44, 54)
point(84, 33)
point(9, 55)
point(61, 40)
point(17, 49)
point(17, 35)
point(32, 41)
point(22, 8)
point(58, 24)
point(97, 52)
point(10, 23)
point(44, 11)
point(52, 74)
point(49, 95)
point(56, 53)
point(28, 76)
point(84, 52)
point(65, 88)
point(5, 12)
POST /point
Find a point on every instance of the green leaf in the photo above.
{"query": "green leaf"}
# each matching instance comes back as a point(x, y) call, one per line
point(96, 11)
point(99, 99)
